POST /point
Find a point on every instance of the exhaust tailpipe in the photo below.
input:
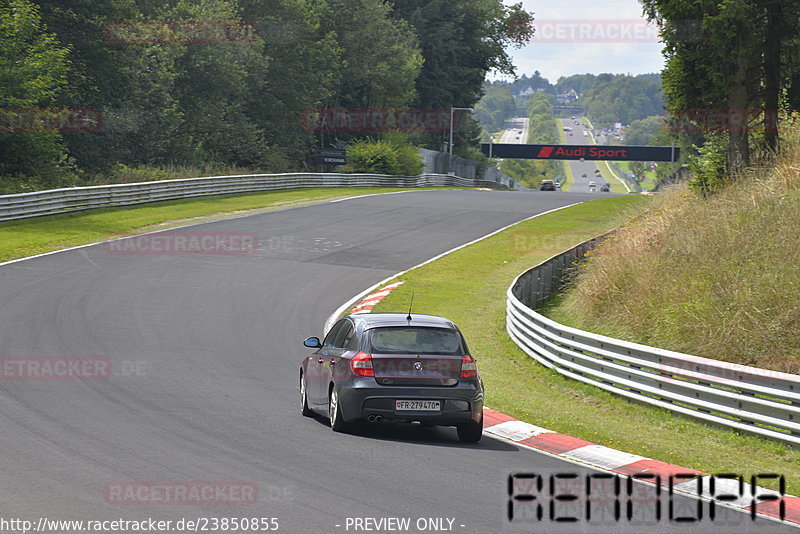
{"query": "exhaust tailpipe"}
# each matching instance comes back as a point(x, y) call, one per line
point(378, 418)
point(371, 418)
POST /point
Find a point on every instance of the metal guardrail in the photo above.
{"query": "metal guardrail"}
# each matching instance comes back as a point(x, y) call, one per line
point(37, 203)
point(738, 396)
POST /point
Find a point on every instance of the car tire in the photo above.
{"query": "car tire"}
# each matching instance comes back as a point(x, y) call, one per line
point(470, 432)
point(334, 413)
point(304, 396)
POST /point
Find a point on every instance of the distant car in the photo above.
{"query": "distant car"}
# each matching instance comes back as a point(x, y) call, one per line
point(558, 185)
point(547, 185)
point(592, 186)
point(605, 188)
point(583, 175)
point(393, 367)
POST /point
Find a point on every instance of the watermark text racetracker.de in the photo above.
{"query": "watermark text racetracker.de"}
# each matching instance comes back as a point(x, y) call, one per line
point(623, 242)
point(180, 32)
point(180, 493)
point(149, 524)
point(379, 120)
point(588, 30)
point(68, 368)
point(185, 243)
point(73, 120)
point(730, 121)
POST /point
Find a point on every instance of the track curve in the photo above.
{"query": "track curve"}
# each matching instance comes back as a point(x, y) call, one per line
point(205, 351)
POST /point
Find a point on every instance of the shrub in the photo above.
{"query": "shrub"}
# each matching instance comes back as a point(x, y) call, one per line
point(390, 155)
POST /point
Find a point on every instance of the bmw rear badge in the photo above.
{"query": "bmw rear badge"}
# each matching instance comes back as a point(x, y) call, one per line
point(418, 366)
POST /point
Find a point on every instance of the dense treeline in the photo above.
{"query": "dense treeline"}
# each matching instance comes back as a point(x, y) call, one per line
point(229, 83)
point(622, 99)
point(496, 106)
point(731, 65)
point(606, 98)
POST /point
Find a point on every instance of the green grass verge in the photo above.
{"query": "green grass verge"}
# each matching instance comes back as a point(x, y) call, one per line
point(27, 237)
point(469, 287)
point(616, 183)
point(648, 182)
point(569, 179)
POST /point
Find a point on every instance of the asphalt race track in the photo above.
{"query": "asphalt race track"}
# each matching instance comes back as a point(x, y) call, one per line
point(205, 350)
point(579, 168)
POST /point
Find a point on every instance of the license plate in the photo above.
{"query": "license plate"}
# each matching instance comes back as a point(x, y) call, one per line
point(417, 405)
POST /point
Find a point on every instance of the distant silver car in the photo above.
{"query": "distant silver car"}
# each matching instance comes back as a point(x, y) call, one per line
point(393, 367)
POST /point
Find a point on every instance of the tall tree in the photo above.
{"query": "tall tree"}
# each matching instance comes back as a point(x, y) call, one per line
point(380, 57)
point(33, 74)
point(462, 41)
point(727, 55)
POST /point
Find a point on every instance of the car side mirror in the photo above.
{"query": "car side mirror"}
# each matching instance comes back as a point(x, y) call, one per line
point(312, 343)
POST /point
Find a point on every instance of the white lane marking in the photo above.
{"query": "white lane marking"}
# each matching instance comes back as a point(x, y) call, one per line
point(516, 430)
point(620, 180)
point(340, 310)
point(603, 456)
point(375, 195)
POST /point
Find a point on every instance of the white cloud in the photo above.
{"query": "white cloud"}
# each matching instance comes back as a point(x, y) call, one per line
point(555, 59)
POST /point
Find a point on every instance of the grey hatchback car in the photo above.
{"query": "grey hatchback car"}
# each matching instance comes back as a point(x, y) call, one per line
point(393, 367)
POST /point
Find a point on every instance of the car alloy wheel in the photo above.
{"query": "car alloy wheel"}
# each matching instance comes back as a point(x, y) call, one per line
point(304, 396)
point(335, 415)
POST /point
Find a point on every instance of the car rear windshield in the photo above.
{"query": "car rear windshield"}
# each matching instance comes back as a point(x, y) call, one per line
point(415, 340)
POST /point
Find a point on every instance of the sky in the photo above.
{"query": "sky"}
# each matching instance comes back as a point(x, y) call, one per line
point(587, 36)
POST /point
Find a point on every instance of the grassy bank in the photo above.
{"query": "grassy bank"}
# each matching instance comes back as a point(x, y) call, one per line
point(610, 176)
point(469, 287)
point(715, 277)
point(26, 237)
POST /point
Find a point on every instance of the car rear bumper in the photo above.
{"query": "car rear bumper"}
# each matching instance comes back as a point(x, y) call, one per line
point(365, 398)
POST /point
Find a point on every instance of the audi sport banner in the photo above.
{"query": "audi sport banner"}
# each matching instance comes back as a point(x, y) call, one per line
point(579, 152)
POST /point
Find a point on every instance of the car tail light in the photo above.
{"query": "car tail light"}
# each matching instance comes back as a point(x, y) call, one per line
point(361, 364)
point(469, 369)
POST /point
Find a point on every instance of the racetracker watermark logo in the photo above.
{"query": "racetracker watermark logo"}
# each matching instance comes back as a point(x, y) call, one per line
point(725, 120)
point(588, 31)
point(180, 493)
point(379, 120)
point(691, 367)
point(554, 242)
point(180, 32)
point(56, 368)
point(185, 243)
point(49, 120)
